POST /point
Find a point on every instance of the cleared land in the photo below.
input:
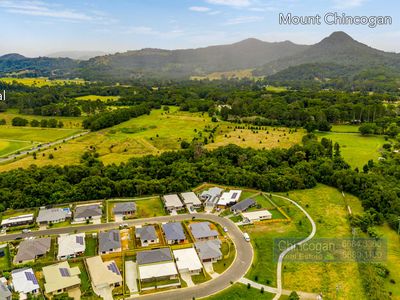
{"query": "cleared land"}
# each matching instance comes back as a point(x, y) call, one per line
point(239, 74)
point(356, 149)
point(41, 81)
point(326, 206)
point(239, 291)
point(97, 97)
point(156, 133)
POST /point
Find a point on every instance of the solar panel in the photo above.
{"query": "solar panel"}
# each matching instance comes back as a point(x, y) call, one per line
point(79, 240)
point(64, 272)
point(234, 195)
point(113, 268)
point(116, 236)
point(29, 276)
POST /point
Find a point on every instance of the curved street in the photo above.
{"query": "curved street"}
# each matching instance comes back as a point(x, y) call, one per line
point(239, 267)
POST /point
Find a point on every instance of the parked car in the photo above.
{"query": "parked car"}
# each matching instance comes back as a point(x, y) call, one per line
point(225, 229)
point(124, 225)
point(26, 230)
point(246, 237)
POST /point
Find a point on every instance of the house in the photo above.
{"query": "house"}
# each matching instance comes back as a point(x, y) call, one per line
point(71, 245)
point(53, 215)
point(187, 261)
point(24, 281)
point(109, 241)
point(174, 233)
point(191, 200)
point(243, 205)
point(172, 202)
point(202, 231)
point(29, 250)
point(103, 274)
point(125, 208)
point(60, 278)
point(156, 264)
point(5, 293)
point(209, 251)
point(229, 198)
point(17, 221)
point(147, 235)
point(211, 196)
point(254, 216)
point(86, 213)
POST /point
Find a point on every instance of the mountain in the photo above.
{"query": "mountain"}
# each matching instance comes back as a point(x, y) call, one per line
point(78, 55)
point(338, 49)
point(246, 54)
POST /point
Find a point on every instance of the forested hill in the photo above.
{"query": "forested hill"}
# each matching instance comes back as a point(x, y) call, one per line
point(339, 49)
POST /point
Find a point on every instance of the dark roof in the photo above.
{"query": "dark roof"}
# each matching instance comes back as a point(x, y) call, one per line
point(173, 231)
point(87, 211)
point(4, 291)
point(202, 230)
point(153, 256)
point(123, 207)
point(109, 240)
point(209, 249)
point(30, 249)
point(146, 233)
point(243, 205)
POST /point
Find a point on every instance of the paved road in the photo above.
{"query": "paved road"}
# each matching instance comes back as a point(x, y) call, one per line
point(286, 251)
point(240, 266)
point(42, 147)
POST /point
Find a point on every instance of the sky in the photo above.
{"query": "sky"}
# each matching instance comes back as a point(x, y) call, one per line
point(40, 27)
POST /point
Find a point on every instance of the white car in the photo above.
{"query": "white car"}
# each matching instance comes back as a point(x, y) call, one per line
point(225, 229)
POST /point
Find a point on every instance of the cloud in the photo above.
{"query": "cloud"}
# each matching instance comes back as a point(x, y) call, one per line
point(42, 9)
point(199, 8)
point(243, 20)
point(347, 3)
point(149, 31)
point(233, 3)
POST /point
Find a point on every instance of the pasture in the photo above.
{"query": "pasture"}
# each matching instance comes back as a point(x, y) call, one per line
point(240, 291)
point(97, 97)
point(41, 81)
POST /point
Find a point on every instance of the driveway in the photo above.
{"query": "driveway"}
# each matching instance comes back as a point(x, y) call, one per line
point(75, 293)
point(186, 277)
point(131, 276)
point(208, 266)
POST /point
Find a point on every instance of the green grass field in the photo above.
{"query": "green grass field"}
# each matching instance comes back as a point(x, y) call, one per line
point(5, 261)
point(240, 291)
point(41, 81)
point(149, 208)
point(7, 147)
point(355, 148)
point(97, 97)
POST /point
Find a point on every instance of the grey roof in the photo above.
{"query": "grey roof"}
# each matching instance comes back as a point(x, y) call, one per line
point(173, 231)
point(208, 249)
point(30, 249)
point(52, 214)
point(243, 205)
point(146, 233)
point(4, 292)
point(87, 211)
point(109, 240)
point(212, 192)
point(123, 207)
point(202, 230)
point(153, 256)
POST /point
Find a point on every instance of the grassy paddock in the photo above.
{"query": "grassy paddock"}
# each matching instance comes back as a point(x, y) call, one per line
point(41, 81)
point(239, 291)
point(98, 97)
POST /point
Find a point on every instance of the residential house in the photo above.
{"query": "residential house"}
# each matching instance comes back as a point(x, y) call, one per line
point(147, 235)
point(229, 198)
point(86, 213)
point(24, 281)
point(109, 241)
point(187, 261)
point(71, 245)
point(243, 205)
point(191, 200)
point(211, 196)
point(103, 274)
point(156, 264)
point(174, 233)
point(60, 278)
point(18, 221)
point(202, 231)
point(53, 215)
point(29, 250)
point(125, 208)
point(209, 251)
point(5, 293)
point(172, 203)
point(254, 216)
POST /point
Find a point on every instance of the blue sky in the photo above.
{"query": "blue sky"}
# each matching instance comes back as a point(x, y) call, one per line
point(40, 27)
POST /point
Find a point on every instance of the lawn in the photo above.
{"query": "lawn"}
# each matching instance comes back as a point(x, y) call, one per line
point(91, 245)
point(39, 135)
point(228, 255)
point(200, 278)
point(275, 89)
point(345, 128)
point(41, 81)
point(240, 291)
point(355, 148)
point(5, 261)
point(97, 97)
point(147, 208)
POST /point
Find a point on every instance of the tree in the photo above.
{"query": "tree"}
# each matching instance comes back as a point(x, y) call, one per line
point(18, 121)
point(367, 128)
point(185, 144)
point(294, 296)
point(35, 123)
